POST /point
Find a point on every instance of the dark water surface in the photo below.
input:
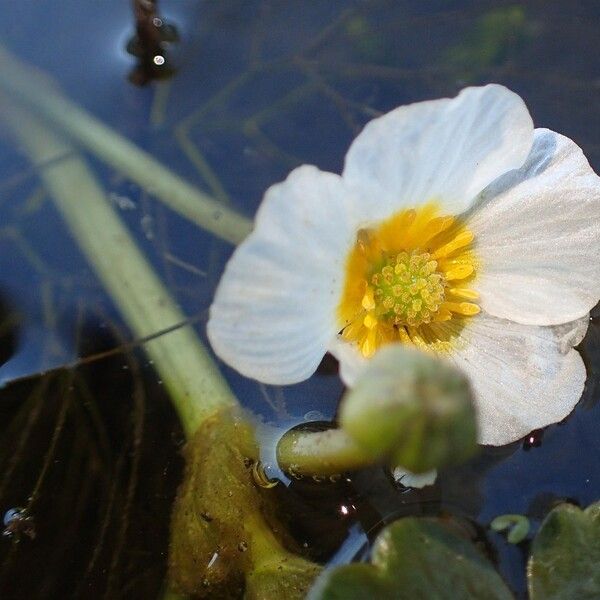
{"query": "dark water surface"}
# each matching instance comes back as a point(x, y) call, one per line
point(91, 447)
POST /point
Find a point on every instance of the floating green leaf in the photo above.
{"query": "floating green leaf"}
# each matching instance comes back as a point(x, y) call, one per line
point(412, 407)
point(516, 525)
point(415, 558)
point(565, 555)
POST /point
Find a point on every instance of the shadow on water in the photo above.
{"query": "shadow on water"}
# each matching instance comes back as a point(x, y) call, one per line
point(89, 445)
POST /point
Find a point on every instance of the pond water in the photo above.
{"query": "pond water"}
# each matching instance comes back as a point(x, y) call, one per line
point(89, 445)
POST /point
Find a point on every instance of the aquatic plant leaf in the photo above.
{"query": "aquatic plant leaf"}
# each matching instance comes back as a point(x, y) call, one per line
point(516, 526)
point(415, 558)
point(565, 555)
point(223, 539)
point(414, 408)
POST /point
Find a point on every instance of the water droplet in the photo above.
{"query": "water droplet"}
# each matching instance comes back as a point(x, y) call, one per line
point(147, 224)
point(17, 522)
point(260, 477)
point(533, 440)
point(13, 513)
point(314, 415)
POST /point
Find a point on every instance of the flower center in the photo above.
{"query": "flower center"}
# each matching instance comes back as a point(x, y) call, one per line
point(408, 288)
point(407, 280)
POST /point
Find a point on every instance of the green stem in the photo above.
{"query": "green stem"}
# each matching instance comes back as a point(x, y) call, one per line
point(187, 370)
point(31, 89)
point(198, 391)
point(320, 453)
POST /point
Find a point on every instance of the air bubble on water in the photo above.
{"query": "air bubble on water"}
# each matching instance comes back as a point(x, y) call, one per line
point(314, 415)
point(147, 224)
point(122, 202)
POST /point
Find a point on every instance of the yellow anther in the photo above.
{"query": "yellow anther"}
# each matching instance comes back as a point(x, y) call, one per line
point(369, 344)
point(443, 314)
point(352, 330)
point(369, 321)
point(464, 238)
point(436, 226)
point(404, 278)
point(459, 272)
point(368, 301)
point(462, 308)
point(417, 340)
point(465, 293)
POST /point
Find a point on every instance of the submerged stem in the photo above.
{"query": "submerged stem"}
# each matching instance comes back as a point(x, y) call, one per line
point(243, 530)
point(26, 87)
point(184, 365)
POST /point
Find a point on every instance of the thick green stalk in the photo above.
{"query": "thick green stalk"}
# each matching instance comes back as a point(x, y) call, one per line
point(184, 365)
point(321, 453)
point(34, 90)
point(219, 441)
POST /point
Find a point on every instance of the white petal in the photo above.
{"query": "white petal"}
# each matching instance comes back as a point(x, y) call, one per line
point(274, 312)
point(445, 150)
point(352, 362)
point(537, 232)
point(524, 377)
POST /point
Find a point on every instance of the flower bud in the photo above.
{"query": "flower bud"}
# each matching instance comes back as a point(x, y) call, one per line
point(413, 408)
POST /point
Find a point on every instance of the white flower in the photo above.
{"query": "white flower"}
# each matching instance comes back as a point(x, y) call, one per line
point(455, 227)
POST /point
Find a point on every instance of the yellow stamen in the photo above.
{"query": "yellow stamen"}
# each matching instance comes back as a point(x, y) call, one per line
point(368, 301)
point(369, 345)
point(418, 340)
point(397, 282)
point(369, 321)
point(464, 238)
point(436, 226)
point(463, 308)
point(459, 272)
point(465, 293)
